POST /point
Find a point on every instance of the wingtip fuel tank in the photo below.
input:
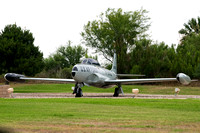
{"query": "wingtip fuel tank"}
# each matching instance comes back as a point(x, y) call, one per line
point(183, 78)
point(13, 77)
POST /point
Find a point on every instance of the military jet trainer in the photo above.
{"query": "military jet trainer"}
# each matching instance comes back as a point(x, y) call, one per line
point(90, 73)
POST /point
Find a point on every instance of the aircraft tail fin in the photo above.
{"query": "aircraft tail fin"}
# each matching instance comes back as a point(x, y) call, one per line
point(114, 65)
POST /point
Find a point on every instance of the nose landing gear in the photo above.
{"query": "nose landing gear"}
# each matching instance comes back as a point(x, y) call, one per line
point(78, 90)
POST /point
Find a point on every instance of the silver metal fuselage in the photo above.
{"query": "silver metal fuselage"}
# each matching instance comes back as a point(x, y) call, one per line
point(93, 75)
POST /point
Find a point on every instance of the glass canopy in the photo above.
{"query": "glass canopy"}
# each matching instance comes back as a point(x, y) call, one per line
point(90, 61)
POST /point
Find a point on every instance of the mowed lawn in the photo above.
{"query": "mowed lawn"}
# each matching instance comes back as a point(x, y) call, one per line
point(66, 88)
point(99, 115)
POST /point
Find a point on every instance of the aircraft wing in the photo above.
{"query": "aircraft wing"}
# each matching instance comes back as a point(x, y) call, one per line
point(130, 75)
point(181, 77)
point(126, 81)
point(19, 77)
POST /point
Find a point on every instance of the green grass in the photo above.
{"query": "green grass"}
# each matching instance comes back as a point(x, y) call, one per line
point(100, 115)
point(63, 88)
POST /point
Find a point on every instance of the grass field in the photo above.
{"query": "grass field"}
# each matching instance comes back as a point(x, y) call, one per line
point(99, 115)
point(63, 88)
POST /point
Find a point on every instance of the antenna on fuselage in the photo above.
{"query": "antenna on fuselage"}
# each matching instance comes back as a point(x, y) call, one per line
point(114, 65)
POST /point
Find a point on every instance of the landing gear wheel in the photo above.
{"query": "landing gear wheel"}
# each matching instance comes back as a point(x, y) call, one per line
point(116, 94)
point(79, 92)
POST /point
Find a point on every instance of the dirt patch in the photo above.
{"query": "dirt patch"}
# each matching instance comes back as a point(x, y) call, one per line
point(101, 95)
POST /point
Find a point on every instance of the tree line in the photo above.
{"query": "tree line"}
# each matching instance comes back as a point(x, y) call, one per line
point(113, 31)
point(125, 33)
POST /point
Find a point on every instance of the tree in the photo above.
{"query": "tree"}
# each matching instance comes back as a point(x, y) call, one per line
point(188, 51)
point(60, 64)
point(116, 30)
point(53, 65)
point(72, 54)
point(18, 53)
point(189, 54)
point(193, 26)
point(197, 72)
point(153, 60)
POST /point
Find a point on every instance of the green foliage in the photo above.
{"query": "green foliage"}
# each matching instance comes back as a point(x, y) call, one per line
point(55, 61)
point(124, 32)
point(136, 69)
point(189, 53)
point(59, 65)
point(116, 30)
point(193, 26)
point(196, 73)
point(90, 56)
point(108, 66)
point(72, 54)
point(18, 53)
point(153, 60)
point(66, 73)
point(160, 60)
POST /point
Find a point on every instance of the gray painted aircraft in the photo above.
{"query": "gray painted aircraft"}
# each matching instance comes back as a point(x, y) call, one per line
point(90, 73)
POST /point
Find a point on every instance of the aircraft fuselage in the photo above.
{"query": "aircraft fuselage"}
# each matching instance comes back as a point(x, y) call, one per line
point(92, 75)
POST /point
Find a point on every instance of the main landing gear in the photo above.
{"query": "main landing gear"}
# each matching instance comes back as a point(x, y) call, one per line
point(79, 93)
point(78, 90)
point(118, 90)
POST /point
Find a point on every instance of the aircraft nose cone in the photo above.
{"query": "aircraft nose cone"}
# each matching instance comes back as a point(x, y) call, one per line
point(73, 74)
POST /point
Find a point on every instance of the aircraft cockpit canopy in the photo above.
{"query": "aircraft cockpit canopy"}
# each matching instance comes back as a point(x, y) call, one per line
point(90, 62)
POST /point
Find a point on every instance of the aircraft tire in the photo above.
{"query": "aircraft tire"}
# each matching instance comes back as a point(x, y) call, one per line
point(116, 94)
point(79, 93)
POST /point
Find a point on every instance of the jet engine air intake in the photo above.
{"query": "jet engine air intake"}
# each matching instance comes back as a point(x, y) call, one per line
point(183, 78)
point(73, 74)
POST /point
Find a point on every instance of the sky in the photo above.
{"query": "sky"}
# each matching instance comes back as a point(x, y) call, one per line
point(55, 22)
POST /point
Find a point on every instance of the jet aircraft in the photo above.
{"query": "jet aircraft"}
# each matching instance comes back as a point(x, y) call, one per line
point(90, 73)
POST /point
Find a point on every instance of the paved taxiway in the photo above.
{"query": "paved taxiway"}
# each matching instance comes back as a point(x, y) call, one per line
point(101, 95)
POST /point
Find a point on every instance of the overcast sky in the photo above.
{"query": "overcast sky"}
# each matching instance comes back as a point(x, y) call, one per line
point(54, 22)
